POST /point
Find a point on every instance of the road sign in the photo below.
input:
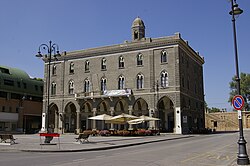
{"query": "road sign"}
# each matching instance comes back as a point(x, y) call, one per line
point(238, 102)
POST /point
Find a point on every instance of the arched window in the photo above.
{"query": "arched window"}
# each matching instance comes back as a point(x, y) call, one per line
point(71, 68)
point(164, 57)
point(102, 107)
point(136, 35)
point(71, 87)
point(140, 81)
point(87, 66)
point(121, 62)
point(104, 64)
point(103, 84)
point(54, 70)
point(164, 79)
point(53, 88)
point(121, 82)
point(121, 106)
point(139, 60)
point(87, 85)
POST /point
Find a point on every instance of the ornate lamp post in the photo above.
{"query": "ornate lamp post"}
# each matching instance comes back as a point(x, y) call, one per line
point(242, 158)
point(50, 49)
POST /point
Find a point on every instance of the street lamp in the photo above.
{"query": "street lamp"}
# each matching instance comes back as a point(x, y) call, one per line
point(51, 48)
point(242, 158)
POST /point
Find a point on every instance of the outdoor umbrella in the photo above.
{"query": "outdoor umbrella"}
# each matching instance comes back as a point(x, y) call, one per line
point(141, 119)
point(101, 117)
point(147, 118)
point(122, 118)
point(135, 121)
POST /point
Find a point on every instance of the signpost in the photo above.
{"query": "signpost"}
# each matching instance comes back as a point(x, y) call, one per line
point(238, 102)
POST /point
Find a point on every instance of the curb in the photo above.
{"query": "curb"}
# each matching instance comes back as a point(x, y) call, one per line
point(103, 148)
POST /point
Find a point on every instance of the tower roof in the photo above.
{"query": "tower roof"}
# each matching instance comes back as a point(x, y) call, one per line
point(138, 22)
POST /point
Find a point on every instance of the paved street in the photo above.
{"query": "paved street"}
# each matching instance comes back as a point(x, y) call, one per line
point(67, 142)
point(198, 150)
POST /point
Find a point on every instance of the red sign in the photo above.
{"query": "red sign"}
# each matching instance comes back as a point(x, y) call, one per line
point(238, 102)
point(49, 135)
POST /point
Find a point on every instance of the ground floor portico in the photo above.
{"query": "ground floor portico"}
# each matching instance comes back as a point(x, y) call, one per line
point(72, 116)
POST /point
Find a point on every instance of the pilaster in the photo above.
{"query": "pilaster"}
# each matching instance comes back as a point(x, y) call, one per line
point(178, 127)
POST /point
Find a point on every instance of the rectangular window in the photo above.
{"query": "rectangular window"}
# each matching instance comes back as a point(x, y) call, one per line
point(164, 56)
point(17, 109)
point(15, 96)
point(24, 85)
point(103, 65)
point(71, 68)
point(54, 70)
point(8, 82)
point(18, 84)
point(3, 94)
point(87, 66)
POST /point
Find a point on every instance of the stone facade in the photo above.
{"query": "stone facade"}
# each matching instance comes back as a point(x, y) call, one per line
point(161, 77)
point(226, 121)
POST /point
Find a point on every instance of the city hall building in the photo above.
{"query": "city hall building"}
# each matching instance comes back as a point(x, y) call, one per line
point(158, 77)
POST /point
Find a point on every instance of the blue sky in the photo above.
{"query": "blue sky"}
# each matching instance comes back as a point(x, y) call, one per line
point(81, 24)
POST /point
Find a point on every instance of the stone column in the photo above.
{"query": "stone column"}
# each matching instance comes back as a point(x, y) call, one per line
point(78, 121)
point(112, 114)
point(43, 122)
point(130, 111)
point(44, 118)
point(56, 121)
point(152, 123)
point(60, 124)
point(178, 127)
point(94, 121)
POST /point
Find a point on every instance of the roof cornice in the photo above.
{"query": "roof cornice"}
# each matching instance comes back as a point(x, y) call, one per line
point(145, 43)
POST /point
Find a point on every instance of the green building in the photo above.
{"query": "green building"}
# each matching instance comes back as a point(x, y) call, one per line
point(20, 101)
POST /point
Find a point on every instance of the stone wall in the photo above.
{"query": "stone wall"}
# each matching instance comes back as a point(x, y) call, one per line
point(226, 121)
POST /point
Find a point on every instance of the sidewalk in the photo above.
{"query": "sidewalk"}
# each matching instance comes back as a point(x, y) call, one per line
point(31, 143)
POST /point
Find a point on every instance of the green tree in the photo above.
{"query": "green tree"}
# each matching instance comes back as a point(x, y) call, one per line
point(244, 86)
point(213, 109)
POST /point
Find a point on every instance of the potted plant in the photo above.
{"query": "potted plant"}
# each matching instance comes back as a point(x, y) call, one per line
point(104, 133)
